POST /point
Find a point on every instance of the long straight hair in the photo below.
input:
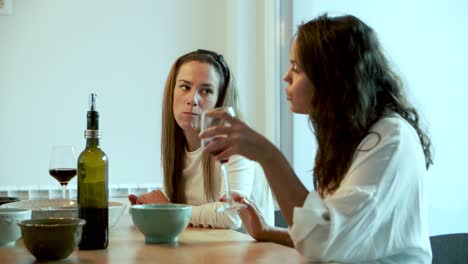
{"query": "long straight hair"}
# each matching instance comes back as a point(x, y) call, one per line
point(173, 141)
point(354, 86)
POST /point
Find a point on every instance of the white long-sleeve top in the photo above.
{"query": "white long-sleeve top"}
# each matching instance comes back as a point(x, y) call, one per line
point(379, 212)
point(241, 172)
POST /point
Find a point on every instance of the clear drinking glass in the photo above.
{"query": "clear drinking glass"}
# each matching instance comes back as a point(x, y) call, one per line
point(62, 165)
point(209, 121)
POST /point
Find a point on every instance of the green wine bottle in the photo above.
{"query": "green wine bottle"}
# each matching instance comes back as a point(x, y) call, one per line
point(93, 185)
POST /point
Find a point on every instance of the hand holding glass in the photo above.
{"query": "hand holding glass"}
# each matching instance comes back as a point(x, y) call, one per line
point(62, 165)
point(210, 121)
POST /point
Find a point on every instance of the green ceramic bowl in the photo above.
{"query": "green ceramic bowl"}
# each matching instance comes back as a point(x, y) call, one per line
point(161, 223)
point(51, 239)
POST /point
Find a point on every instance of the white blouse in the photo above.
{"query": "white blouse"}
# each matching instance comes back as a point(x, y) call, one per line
point(244, 178)
point(379, 212)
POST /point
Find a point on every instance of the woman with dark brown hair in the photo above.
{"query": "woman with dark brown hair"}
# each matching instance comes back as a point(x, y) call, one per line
point(369, 201)
point(199, 81)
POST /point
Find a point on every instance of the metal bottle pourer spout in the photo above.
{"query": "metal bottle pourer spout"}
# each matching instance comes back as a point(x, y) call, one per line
point(93, 102)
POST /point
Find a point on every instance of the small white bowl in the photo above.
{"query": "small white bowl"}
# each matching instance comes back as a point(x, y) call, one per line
point(9, 230)
point(59, 208)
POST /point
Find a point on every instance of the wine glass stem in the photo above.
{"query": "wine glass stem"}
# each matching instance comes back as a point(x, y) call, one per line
point(226, 182)
point(64, 191)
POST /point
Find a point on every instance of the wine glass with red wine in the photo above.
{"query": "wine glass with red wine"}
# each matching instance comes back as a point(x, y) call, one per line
point(210, 121)
point(62, 165)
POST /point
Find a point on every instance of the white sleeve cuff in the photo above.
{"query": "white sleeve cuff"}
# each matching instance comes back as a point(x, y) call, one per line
point(305, 218)
point(206, 216)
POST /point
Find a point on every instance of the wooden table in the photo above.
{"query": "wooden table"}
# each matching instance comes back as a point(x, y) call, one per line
point(196, 245)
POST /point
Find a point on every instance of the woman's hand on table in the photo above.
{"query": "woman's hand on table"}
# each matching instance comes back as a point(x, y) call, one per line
point(252, 218)
point(256, 225)
point(155, 196)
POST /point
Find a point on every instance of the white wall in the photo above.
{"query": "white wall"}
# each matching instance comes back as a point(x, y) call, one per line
point(427, 42)
point(53, 53)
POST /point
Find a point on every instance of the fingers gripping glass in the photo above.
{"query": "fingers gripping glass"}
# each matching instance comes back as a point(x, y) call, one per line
point(210, 121)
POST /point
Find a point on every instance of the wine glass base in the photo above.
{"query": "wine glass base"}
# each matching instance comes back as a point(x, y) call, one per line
point(230, 207)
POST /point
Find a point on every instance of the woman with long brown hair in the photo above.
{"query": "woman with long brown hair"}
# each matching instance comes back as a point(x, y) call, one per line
point(369, 201)
point(199, 81)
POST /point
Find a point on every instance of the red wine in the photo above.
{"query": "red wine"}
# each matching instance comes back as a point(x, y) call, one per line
point(63, 175)
point(218, 152)
point(95, 231)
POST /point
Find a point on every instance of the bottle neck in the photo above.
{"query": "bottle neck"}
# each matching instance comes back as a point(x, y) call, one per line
point(93, 120)
point(92, 142)
point(92, 133)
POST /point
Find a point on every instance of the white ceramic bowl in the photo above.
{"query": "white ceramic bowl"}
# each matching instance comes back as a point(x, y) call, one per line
point(59, 208)
point(9, 229)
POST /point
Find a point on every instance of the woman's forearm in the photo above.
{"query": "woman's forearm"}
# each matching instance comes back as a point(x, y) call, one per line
point(278, 235)
point(205, 216)
point(286, 186)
